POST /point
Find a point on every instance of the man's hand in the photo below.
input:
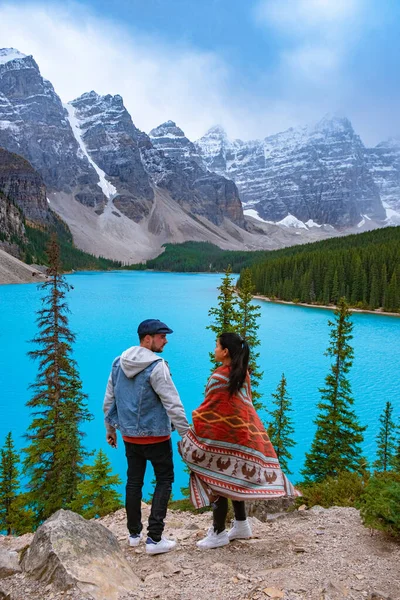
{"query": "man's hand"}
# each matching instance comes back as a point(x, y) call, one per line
point(112, 439)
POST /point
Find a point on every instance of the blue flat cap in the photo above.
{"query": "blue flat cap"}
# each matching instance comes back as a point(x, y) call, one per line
point(152, 326)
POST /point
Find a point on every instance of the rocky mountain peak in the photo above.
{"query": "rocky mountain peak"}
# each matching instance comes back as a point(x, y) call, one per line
point(216, 131)
point(171, 139)
point(334, 123)
point(7, 54)
point(167, 129)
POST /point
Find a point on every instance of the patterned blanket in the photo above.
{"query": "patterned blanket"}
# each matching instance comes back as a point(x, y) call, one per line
point(228, 450)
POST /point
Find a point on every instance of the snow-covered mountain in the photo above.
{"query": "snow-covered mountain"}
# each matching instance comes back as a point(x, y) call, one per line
point(125, 193)
point(317, 173)
point(90, 151)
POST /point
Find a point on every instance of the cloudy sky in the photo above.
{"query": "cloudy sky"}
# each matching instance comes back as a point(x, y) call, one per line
point(254, 66)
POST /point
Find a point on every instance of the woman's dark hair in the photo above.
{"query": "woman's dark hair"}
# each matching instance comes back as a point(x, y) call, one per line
point(239, 352)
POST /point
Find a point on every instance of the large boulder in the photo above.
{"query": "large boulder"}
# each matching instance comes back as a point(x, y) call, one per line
point(68, 551)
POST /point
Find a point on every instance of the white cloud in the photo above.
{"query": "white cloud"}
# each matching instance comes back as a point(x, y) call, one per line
point(79, 52)
point(301, 15)
point(317, 33)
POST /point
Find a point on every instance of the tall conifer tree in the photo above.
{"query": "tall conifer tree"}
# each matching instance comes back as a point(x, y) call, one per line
point(386, 440)
point(224, 314)
point(281, 427)
point(247, 314)
point(54, 457)
point(336, 445)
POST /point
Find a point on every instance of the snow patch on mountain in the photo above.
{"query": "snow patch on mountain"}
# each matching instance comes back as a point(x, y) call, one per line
point(310, 223)
point(107, 188)
point(392, 216)
point(292, 221)
point(250, 212)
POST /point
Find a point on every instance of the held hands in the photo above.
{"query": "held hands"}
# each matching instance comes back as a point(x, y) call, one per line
point(112, 439)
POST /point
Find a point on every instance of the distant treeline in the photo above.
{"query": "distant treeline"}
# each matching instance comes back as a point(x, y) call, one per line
point(365, 268)
point(201, 257)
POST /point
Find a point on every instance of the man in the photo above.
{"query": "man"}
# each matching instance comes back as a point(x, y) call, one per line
point(141, 401)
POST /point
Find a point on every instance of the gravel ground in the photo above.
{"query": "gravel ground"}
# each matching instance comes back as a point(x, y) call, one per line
point(307, 555)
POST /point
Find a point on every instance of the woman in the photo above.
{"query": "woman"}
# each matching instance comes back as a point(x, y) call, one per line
point(227, 448)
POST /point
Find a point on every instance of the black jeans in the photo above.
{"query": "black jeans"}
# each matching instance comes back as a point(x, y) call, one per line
point(160, 456)
point(220, 510)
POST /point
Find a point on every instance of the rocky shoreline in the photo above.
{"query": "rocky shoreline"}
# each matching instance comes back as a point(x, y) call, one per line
point(328, 307)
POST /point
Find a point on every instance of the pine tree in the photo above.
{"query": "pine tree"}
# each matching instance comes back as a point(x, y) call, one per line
point(96, 495)
point(14, 519)
point(247, 314)
point(336, 445)
point(280, 429)
point(225, 314)
point(54, 457)
point(386, 440)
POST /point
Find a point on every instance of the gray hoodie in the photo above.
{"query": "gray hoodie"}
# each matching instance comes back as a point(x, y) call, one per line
point(133, 361)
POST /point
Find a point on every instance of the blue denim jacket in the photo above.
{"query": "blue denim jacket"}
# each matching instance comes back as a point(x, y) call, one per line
point(137, 410)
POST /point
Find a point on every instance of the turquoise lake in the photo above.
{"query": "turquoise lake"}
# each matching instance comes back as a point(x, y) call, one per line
point(106, 308)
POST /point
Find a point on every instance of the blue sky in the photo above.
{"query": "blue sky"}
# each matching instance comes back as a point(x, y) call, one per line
point(255, 66)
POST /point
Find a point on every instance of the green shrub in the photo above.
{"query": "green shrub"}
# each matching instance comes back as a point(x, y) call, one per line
point(380, 503)
point(343, 490)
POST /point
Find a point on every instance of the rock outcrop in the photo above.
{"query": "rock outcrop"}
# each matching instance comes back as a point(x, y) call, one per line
point(384, 163)
point(70, 552)
point(21, 184)
point(110, 140)
point(175, 166)
point(315, 173)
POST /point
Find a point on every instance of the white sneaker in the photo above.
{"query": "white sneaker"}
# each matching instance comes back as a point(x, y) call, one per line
point(241, 530)
point(213, 539)
point(135, 539)
point(163, 545)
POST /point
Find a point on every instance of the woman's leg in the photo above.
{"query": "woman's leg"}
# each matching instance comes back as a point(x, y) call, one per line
point(239, 508)
point(220, 510)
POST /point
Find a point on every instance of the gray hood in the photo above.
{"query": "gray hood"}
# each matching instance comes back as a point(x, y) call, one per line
point(136, 359)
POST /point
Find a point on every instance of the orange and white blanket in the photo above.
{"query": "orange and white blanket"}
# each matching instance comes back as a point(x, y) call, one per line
point(228, 450)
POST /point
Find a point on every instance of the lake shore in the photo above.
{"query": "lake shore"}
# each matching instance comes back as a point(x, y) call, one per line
point(329, 306)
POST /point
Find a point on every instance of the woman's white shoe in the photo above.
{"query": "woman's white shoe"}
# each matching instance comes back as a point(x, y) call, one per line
point(213, 539)
point(241, 530)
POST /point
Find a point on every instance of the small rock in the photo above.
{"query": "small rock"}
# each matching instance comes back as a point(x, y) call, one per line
point(299, 549)
point(379, 596)
point(187, 571)
point(272, 592)
point(9, 563)
point(302, 507)
point(152, 576)
point(359, 576)
point(240, 576)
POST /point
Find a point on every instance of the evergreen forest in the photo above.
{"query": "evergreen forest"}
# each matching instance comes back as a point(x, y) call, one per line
point(364, 268)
